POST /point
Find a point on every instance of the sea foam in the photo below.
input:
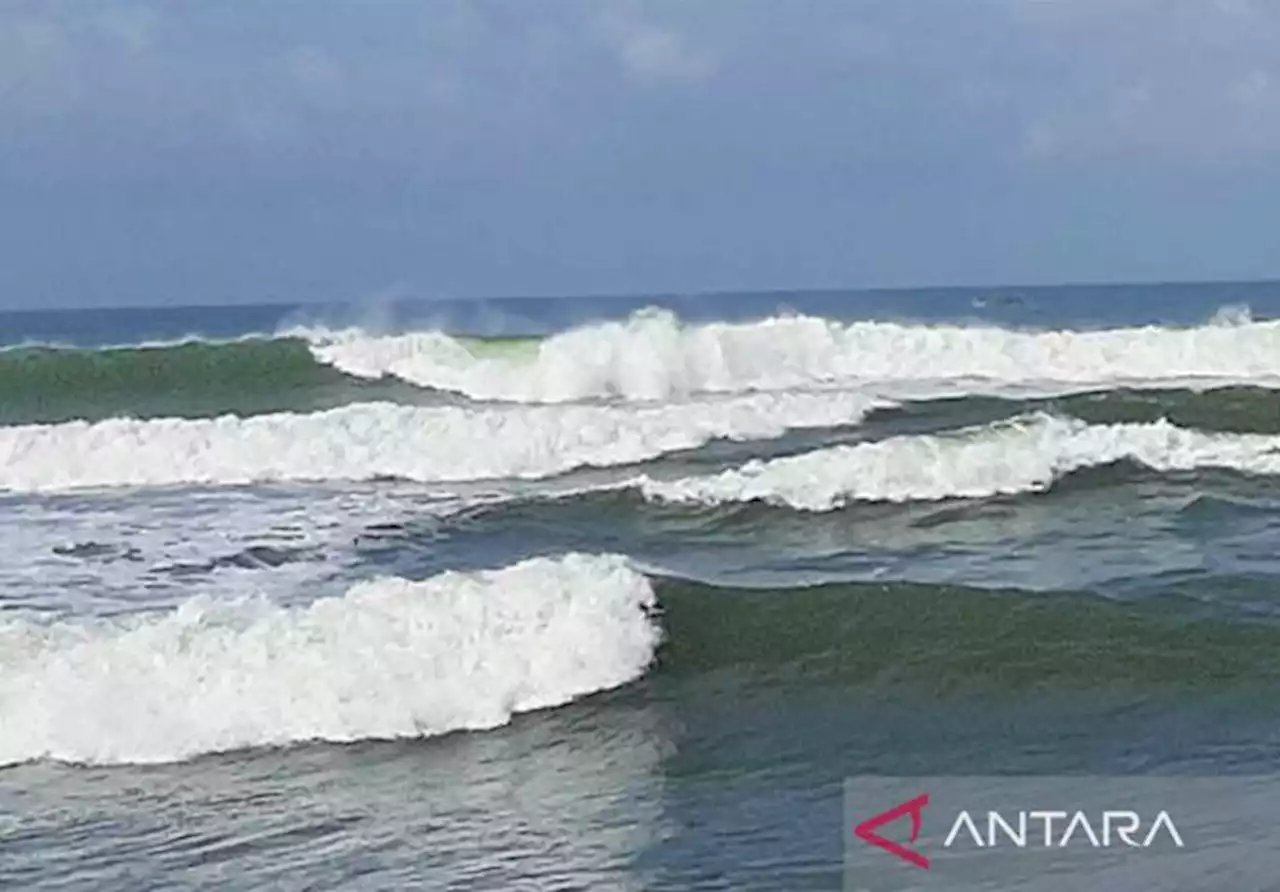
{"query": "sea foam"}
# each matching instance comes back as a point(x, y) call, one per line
point(1026, 454)
point(390, 659)
point(654, 356)
point(372, 440)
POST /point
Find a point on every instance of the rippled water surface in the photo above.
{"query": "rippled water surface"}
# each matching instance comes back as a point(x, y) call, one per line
point(569, 595)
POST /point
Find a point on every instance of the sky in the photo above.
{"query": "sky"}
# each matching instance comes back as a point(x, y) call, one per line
point(182, 151)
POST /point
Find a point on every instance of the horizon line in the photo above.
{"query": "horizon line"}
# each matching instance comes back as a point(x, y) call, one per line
point(658, 295)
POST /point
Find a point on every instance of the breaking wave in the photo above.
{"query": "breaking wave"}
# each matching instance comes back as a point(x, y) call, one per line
point(44, 384)
point(1026, 454)
point(390, 659)
point(375, 440)
point(653, 355)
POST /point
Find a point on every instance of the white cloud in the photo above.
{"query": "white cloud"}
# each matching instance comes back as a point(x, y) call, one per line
point(649, 52)
point(1181, 80)
point(660, 55)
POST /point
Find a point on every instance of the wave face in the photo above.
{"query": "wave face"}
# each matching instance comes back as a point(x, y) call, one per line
point(1026, 454)
point(654, 356)
point(189, 379)
point(1242, 409)
point(374, 440)
point(950, 637)
point(390, 659)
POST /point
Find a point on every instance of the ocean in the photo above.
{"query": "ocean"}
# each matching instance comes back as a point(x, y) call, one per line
point(617, 593)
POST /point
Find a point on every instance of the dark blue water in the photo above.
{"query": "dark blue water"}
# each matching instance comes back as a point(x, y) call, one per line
point(1074, 306)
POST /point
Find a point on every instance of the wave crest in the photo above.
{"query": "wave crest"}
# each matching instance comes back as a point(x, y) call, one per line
point(391, 658)
point(653, 355)
point(1027, 454)
point(372, 440)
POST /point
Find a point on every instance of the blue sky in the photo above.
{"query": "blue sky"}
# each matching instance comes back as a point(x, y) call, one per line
point(180, 151)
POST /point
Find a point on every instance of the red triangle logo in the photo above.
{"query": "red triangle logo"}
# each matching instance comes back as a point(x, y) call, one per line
point(866, 831)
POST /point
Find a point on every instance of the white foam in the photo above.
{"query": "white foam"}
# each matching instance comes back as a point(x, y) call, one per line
point(369, 440)
point(654, 356)
point(390, 659)
point(158, 548)
point(1024, 455)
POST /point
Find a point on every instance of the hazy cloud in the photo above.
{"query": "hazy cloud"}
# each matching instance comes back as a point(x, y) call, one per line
point(1180, 78)
point(313, 68)
point(134, 27)
point(593, 143)
point(648, 51)
point(33, 64)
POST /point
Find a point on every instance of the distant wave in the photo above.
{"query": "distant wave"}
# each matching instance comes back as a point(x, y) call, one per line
point(1026, 454)
point(653, 355)
point(375, 440)
point(391, 658)
point(191, 379)
point(650, 356)
point(1243, 409)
